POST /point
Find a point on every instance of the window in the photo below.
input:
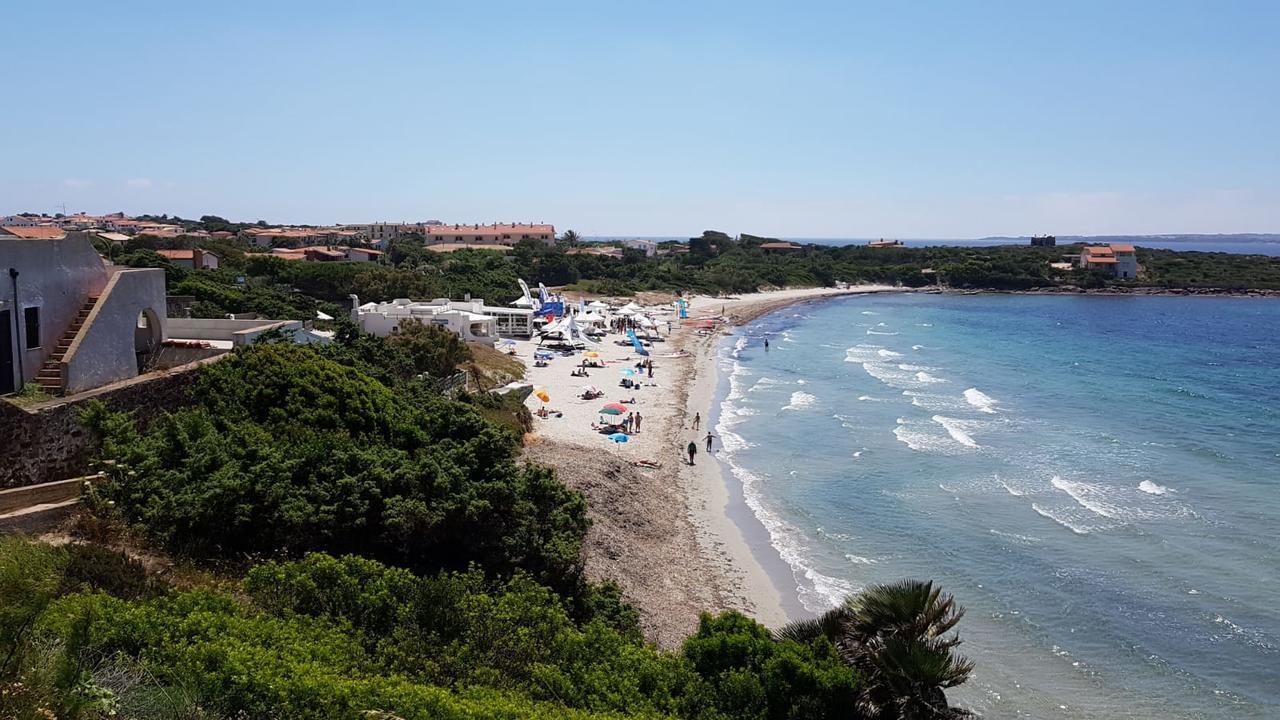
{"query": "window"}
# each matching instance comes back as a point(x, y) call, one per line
point(31, 317)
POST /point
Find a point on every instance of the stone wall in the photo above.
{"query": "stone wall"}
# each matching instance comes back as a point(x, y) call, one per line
point(46, 442)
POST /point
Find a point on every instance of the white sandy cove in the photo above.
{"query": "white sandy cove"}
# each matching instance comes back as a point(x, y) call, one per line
point(681, 387)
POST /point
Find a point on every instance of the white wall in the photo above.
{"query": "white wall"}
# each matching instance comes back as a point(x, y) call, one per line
point(57, 276)
point(104, 351)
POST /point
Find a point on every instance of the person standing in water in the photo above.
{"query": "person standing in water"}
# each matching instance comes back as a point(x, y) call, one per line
point(692, 449)
point(709, 438)
point(766, 343)
point(697, 420)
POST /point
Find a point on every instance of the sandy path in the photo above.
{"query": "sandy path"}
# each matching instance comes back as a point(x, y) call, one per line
point(663, 533)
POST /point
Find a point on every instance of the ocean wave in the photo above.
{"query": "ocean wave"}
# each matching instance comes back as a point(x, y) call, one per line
point(861, 353)
point(917, 440)
point(765, 383)
point(868, 312)
point(868, 398)
point(925, 377)
point(876, 332)
point(859, 560)
point(822, 591)
point(1010, 490)
point(888, 353)
point(917, 347)
point(1089, 497)
point(1062, 520)
point(739, 346)
point(925, 324)
point(912, 368)
point(980, 400)
point(1152, 488)
point(800, 400)
point(956, 430)
point(802, 381)
point(1024, 539)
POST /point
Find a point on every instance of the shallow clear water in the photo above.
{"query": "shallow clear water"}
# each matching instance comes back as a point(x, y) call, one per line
point(1096, 479)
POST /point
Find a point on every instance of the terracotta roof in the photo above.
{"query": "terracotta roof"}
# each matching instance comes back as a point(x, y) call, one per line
point(1098, 250)
point(177, 254)
point(779, 246)
point(1122, 248)
point(39, 232)
point(1102, 260)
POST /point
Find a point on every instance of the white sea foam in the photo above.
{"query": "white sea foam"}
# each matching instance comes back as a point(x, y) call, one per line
point(765, 383)
point(1062, 520)
point(1151, 488)
point(875, 332)
point(980, 400)
point(925, 377)
point(867, 398)
point(820, 592)
point(911, 368)
point(956, 430)
point(1016, 493)
point(859, 560)
point(925, 324)
point(880, 324)
point(861, 353)
point(1089, 497)
point(888, 353)
point(802, 381)
point(917, 347)
point(858, 454)
point(800, 400)
point(1022, 539)
point(868, 312)
point(914, 438)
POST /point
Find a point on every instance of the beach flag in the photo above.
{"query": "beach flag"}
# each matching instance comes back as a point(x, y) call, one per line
point(638, 345)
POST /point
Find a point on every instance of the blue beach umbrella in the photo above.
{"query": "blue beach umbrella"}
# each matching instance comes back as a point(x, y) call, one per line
point(619, 437)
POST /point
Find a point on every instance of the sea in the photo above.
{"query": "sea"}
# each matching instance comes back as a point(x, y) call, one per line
point(1095, 479)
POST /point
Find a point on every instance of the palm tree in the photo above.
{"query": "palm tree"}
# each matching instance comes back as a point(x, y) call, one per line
point(570, 237)
point(899, 637)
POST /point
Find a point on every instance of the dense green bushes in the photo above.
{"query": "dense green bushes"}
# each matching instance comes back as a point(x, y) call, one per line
point(286, 451)
point(330, 637)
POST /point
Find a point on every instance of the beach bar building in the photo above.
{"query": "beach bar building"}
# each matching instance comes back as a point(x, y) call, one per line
point(472, 320)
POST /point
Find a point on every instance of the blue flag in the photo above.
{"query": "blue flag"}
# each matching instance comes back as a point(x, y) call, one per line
point(636, 342)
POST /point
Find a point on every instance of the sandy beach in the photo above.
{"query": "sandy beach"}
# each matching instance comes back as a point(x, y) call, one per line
point(662, 532)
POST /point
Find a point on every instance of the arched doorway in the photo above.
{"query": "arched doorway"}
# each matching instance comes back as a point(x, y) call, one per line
point(146, 338)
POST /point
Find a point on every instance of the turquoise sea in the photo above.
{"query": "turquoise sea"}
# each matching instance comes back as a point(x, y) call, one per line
point(1096, 479)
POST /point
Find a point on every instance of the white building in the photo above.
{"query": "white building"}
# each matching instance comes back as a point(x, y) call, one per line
point(68, 321)
point(648, 247)
point(382, 319)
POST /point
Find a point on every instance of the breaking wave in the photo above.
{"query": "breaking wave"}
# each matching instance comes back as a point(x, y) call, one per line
point(800, 400)
point(1151, 488)
point(955, 430)
point(980, 400)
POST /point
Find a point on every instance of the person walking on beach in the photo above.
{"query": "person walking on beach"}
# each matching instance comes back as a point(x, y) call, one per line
point(766, 344)
point(635, 421)
point(692, 449)
point(697, 420)
point(650, 369)
point(709, 438)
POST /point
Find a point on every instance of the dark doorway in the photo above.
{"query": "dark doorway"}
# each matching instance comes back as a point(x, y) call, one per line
point(6, 353)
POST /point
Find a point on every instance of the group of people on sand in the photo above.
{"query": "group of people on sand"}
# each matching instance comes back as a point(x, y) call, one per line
point(709, 439)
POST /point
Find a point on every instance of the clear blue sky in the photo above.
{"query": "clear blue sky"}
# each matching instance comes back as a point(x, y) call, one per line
point(818, 119)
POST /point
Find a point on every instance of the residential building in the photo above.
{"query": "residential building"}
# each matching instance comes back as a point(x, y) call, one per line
point(1118, 260)
point(648, 247)
point(450, 247)
point(882, 243)
point(611, 251)
point(495, 234)
point(1044, 241)
point(69, 321)
point(327, 253)
point(779, 247)
point(195, 258)
point(21, 221)
point(34, 232)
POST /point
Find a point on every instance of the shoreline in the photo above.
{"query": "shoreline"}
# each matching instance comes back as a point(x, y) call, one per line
point(671, 536)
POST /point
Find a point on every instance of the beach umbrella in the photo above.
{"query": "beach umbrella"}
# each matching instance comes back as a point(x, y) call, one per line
point(541, 394)
point(506, 341)
point(591, 354)
point(614, 409)
point(629, 372)
point(543, 354)
point(619, 437)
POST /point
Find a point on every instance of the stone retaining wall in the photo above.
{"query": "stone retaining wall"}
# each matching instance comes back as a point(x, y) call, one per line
point(46, 442)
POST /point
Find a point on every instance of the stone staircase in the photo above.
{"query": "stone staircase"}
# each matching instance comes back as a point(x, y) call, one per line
point(34, 508)
point(49, 376)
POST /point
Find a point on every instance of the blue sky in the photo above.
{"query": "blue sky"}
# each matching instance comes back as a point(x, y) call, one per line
point(801, 119)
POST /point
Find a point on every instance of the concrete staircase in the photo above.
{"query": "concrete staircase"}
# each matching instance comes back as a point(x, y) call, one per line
point(34, 508)
point(49, 376)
